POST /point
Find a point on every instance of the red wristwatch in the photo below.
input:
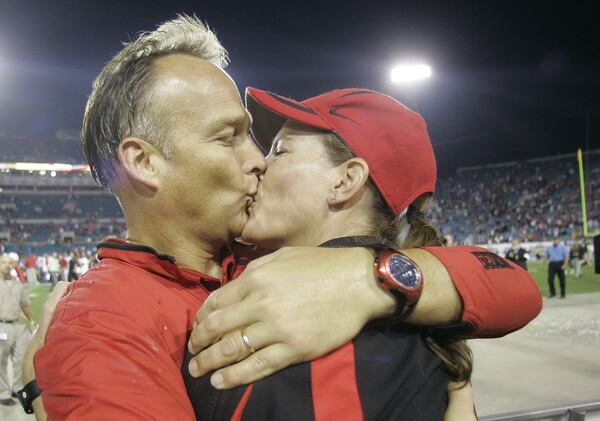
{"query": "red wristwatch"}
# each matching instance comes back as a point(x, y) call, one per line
point(400, 275)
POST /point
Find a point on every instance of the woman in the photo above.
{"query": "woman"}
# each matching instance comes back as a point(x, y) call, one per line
point(349, 163)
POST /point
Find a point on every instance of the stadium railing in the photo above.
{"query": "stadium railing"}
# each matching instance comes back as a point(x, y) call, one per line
point(583, 411)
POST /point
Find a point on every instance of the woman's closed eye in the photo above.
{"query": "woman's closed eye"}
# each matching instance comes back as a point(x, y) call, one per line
point(278, 149)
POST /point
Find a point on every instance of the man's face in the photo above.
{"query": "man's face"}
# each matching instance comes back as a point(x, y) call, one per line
point(210, 179)
point(5, 266)
point(556, 241)
point(292, 197)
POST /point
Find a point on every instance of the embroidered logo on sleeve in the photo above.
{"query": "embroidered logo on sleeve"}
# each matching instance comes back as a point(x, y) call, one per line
point(491, 260)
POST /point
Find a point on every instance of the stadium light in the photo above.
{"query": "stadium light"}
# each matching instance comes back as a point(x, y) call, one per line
point(407, 73)
point(43, 166)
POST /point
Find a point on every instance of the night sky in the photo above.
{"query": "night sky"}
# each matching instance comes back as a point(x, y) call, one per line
point(511, 80)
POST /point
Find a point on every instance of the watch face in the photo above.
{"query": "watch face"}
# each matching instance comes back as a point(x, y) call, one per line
point(403, 271)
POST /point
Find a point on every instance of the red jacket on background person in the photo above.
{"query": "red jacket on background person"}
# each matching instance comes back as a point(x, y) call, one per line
point(30, 262)
point(21, 274)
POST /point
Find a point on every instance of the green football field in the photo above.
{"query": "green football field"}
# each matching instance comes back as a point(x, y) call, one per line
point(590, 282)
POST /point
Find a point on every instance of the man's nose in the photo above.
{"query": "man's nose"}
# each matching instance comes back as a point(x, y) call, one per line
point(255, 164)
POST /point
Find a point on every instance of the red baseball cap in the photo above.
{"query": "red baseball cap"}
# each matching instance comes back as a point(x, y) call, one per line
point(391, 138)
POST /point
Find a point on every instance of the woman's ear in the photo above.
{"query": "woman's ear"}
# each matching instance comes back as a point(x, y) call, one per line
point(352, 176)
point(141, 161)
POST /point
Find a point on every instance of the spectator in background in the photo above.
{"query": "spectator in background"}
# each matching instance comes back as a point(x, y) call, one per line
point(14, 334)
point(19, 273)
point(448, 240)
point(64, 267)
point(589, 255)
point(74, 269)
point(42, 268)
point(580, 251)
point(570, 270)
point(53, 268)
point(518, 254)
point(558, 258)
point(83, 261)
point(31, 270)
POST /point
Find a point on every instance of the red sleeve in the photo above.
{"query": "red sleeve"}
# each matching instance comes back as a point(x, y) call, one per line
point(21, 274)
point(498, 296)
point(101, 365)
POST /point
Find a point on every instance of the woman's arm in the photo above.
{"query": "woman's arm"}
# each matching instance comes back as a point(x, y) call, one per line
point(461, 406)
point(300, 303)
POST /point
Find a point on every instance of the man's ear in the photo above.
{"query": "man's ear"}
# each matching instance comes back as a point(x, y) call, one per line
point(141, 161)
point(352, 176)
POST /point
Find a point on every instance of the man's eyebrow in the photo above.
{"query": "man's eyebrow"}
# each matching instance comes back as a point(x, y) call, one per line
point(223, 122)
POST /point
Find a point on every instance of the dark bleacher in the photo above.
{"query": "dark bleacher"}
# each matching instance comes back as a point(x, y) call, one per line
point(535, 200)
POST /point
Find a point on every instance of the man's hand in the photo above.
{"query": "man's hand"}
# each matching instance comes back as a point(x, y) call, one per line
point(290, 310)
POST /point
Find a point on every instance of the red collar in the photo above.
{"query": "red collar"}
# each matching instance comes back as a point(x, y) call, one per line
point(149, 259)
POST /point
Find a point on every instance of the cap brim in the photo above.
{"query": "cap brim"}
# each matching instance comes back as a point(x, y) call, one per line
point(270, 111)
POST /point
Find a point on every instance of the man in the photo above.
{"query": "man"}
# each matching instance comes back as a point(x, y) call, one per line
point(64, 267)
point(17, 272)
point(558, 260)
point(53, 268)
point(31, 270)
point(580, 251)
point(41, 265)
point(14, 333)
point(517, 254)
point(166, 132)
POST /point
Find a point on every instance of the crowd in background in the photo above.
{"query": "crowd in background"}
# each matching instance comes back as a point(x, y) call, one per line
point(36, 206)
point(526, 201)
point(31, 149)
point(54, 267)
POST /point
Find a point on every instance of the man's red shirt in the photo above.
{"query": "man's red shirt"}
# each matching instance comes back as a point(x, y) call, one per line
point(117, 340)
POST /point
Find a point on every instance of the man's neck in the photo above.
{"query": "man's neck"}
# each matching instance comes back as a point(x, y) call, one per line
point(188, 251)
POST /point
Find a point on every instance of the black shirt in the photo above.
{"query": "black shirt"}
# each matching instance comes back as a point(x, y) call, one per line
point(385, 373)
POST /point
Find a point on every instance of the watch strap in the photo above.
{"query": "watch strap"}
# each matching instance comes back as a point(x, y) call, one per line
point(401, 307)
point(28, 394)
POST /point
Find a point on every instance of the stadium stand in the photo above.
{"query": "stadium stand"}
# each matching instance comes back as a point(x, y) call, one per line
point(62, 147)
point(43, 213)
point(535, 200)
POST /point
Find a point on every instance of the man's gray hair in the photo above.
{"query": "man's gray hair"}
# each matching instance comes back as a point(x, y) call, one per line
point(121, 101)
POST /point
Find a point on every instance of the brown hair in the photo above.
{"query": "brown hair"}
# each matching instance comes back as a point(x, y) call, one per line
point(455, 353)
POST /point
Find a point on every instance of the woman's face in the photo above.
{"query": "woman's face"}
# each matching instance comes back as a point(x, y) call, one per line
point(291, 202)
